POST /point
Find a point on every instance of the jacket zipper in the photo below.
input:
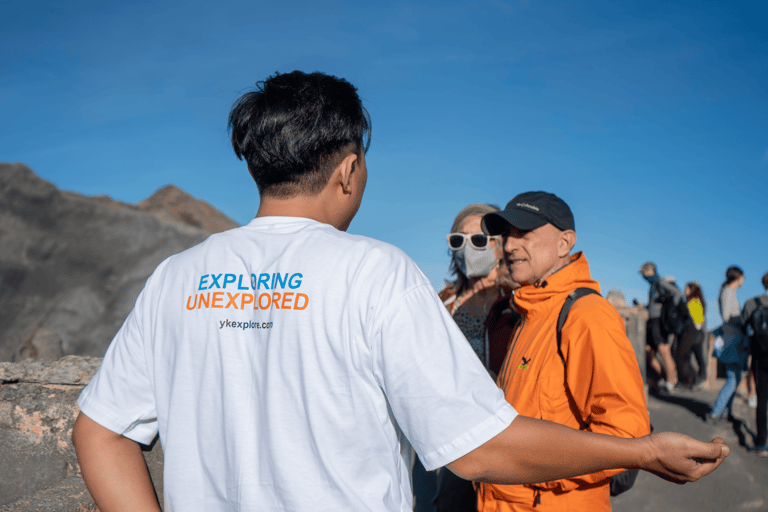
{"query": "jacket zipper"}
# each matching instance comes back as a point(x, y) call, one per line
point(511, 347)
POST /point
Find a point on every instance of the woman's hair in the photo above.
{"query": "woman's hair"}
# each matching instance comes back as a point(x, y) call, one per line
point(732, 274)
point(696, 293)
point(459, 284)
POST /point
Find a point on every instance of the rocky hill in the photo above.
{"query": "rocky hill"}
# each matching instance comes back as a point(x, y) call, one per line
point(71, 266)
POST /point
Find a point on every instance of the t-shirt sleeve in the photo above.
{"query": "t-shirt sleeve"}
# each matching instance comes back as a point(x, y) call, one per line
point(120, 396)
point(438, 390)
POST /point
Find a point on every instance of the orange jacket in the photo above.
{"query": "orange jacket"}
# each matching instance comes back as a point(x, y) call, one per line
point(602, 375)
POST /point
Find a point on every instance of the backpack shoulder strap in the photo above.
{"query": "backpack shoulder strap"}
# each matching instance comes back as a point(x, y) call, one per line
point(572, 297)
point(563, 316)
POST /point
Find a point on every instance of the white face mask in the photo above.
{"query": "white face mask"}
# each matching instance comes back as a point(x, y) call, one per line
point(475, 262)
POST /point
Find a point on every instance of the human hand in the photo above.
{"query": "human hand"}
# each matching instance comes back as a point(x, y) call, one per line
point(680, 459)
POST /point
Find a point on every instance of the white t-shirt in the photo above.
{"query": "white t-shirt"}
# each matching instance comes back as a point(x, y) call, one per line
point(284, 364)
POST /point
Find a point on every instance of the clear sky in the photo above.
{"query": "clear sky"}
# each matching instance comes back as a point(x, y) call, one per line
point(649, 118)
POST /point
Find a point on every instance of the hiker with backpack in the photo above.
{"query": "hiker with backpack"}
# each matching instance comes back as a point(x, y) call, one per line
point(734, 351)
point(666, 319)
point(572, 366)
point(755, 317)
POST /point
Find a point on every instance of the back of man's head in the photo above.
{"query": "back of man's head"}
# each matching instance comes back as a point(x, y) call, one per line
point(295, 128)
point(765, 280)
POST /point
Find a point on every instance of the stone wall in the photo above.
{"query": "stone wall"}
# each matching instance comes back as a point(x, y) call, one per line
point(635, 318)
point(38, 466)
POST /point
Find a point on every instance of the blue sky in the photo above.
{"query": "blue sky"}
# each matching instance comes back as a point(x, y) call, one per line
point(649, 118)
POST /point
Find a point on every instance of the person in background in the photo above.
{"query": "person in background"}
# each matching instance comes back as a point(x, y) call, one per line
point(582, 374)
point(478, 300)
point(657, 341)
point(480, 284)
point(735, 352)
point(755, 317)
point(697, 307)
point(691, 337)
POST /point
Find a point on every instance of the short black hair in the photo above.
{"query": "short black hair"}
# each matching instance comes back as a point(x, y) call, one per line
point(294, 129)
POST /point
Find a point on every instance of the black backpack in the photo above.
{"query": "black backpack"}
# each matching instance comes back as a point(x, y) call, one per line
point(620, 482)
point(675, 317)
point(758, 321)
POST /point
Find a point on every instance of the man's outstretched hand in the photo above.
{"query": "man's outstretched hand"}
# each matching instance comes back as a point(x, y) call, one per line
point(680, 459)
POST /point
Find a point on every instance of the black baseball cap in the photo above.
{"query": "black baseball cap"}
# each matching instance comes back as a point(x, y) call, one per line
point(530, 210)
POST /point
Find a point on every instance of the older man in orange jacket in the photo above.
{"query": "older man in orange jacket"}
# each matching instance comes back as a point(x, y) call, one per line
point(595, 386)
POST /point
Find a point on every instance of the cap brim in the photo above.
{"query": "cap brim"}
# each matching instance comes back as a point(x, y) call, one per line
point(498, 223)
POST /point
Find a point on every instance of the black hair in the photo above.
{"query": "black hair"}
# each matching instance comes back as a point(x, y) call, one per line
point(732, 274)
point(295, 128)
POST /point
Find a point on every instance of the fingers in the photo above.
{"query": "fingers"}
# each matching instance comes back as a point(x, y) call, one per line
point(713, 455)
point(684, 459)
point(717, 449)
point(725, 450)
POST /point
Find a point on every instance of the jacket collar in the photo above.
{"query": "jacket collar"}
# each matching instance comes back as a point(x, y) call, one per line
point(574, 275)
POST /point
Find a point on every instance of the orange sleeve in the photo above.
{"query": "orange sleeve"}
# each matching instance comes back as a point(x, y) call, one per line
point(603, 376)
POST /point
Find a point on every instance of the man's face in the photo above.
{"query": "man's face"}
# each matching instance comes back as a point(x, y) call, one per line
point(532, 255)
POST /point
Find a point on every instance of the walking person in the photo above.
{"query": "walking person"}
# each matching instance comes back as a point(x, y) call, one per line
point(735, 351)
point(657, 340)
point(755, 317)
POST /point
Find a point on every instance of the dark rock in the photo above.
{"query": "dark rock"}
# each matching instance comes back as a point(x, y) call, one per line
point(42, 345)
point(73, 265)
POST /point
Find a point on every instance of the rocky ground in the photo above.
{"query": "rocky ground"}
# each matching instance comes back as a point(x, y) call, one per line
point(740, 483)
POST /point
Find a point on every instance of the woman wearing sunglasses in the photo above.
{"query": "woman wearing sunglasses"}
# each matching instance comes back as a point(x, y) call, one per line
point(480, 284)
point(478, 300)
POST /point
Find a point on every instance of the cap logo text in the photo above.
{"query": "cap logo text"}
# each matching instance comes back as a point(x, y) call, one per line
point(526, 205)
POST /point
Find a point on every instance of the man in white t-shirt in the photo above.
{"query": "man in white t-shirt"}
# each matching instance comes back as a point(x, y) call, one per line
point(288, 365)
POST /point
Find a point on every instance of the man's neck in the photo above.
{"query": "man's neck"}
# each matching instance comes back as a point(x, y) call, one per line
point(305, 206)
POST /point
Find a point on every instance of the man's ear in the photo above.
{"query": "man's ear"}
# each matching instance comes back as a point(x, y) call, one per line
point(344, 171)
point(565, 243)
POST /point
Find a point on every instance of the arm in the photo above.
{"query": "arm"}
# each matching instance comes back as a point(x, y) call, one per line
point(531, 451)
point(113, 468)
point(728, 304)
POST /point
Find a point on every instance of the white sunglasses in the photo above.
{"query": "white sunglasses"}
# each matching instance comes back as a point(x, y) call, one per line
point(477, 240)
